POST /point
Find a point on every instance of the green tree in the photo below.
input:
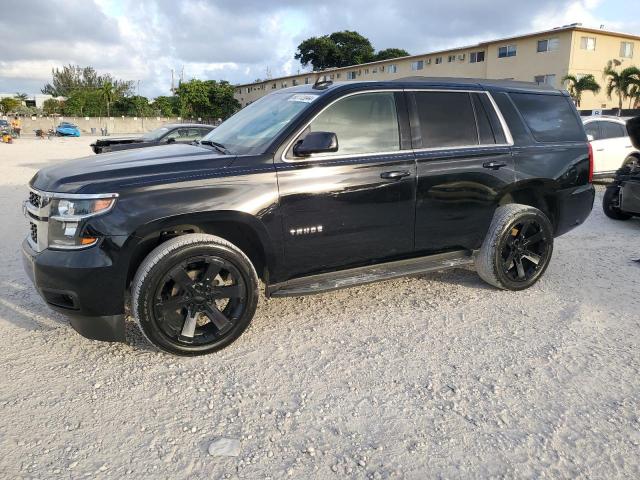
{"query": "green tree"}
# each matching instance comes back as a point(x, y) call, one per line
point(73, 77)
point(134, 106)
point(194, 98)
point(108, 92)
point(84, 102)
point(9, 105)
point(166, 106)
point(221, 99)
point(621, 82)
point(576, 86)
point(389, 53)
point(51, 106)
point(341, 49)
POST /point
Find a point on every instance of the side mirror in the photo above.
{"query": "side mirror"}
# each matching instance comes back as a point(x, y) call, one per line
point(590, 137)
point(316, 142)
point(633, 129)
point(171, 140)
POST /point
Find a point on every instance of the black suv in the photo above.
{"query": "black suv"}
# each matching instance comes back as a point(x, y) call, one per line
point(310, 189)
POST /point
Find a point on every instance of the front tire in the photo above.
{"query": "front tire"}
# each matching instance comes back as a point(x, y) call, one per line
point(610, 204)
point(517, 249)
point(194, 294)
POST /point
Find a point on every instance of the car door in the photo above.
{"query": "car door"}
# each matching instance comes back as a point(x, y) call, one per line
point(617, 146)
point(464, 165)
point(356, 205)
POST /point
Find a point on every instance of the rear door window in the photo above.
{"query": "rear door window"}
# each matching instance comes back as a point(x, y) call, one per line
point(551, 118)
point(446, 119)
point(592, 129)
point(612, 130)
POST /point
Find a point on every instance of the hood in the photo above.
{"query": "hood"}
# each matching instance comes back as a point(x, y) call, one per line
point(110, 172)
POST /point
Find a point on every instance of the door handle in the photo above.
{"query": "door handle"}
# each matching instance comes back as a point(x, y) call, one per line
point(599, 149)
point(494, 165)
point(395, 175)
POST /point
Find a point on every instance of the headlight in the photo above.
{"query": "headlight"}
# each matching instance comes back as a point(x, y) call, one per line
point(66, 217)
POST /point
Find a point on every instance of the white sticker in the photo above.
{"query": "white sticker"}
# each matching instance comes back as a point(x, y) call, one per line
point(300, 97)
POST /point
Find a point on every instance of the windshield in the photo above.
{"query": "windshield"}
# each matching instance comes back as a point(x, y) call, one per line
point(155, 134)
point(251, 129)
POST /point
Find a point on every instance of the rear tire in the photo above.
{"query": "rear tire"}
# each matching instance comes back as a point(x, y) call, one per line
point(517, 249)
point(609, 204)
point(194, 294)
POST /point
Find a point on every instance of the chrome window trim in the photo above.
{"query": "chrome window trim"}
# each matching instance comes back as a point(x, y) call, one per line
point(503, 124)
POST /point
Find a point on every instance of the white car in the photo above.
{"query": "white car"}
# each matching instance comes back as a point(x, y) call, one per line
point(611, 144)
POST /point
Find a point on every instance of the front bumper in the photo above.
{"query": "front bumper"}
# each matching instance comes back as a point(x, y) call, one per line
point(84, 285)
point(573, 207)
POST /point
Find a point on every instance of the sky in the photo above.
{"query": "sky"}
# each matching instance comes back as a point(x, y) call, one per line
point(242, 40)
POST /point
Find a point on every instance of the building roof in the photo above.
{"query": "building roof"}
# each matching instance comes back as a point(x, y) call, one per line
point(571, 27)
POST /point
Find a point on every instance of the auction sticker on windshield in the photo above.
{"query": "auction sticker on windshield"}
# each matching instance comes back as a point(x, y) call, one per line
point(300, 97)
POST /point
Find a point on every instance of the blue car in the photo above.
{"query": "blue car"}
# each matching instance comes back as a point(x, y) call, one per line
point(66, 129)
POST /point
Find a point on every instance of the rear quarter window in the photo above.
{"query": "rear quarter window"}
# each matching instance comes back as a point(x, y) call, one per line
point(551, 118)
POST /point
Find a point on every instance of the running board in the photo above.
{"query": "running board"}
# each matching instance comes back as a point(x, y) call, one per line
point(326, 282)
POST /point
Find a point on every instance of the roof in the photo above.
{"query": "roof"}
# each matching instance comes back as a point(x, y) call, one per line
point(572, 27)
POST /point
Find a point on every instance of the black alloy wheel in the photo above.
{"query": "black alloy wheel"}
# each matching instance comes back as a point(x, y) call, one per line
point(199, 300)
point(524, 251)
point(194, 294)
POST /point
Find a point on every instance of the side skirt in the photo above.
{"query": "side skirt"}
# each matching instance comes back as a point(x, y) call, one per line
point(326, 282)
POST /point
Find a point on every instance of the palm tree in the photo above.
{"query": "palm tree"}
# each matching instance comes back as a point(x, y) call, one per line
point(577, 86)
point(22, 97)
point(108, 93)
point(620, 82)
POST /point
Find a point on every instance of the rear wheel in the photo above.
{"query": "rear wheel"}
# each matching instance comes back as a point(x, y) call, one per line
point(610, 204)
point(194, 294)
point(517, 249)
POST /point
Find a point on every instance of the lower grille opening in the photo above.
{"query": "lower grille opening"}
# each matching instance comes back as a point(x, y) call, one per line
point(33, 232)
point(60, 299)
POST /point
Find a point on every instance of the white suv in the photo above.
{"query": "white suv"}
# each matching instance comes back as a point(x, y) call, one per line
point(611, 144)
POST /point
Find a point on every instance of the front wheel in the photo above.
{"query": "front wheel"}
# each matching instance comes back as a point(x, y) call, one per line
point(611, 204)
point(517, 249)
point(194, 294)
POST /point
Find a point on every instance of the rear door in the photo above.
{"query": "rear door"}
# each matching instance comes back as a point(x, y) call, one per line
point(464, 164)
point(616, 143)
point(355, 205)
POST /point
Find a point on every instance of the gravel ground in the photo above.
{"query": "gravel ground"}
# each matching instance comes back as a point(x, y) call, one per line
point(438, 376)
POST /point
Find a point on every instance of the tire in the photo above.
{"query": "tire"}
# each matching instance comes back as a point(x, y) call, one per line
point(608, 204)
point(194, 294)
point(517, 248)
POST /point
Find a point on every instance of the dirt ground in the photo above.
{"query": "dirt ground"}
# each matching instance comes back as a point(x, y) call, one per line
point(438, 376)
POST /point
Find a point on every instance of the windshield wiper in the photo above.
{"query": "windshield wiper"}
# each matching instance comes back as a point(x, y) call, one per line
point(218, 146)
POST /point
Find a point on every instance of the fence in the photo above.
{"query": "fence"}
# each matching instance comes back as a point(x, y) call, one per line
point(114, 125)
point(625, 112)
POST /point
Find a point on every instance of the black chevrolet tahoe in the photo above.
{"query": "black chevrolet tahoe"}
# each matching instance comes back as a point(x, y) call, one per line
point(309, 189)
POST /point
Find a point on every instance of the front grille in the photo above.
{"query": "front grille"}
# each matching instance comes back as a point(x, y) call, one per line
point(33, 232)
point(35, 199)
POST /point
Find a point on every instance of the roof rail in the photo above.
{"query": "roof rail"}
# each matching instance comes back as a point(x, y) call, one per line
point(322, 84)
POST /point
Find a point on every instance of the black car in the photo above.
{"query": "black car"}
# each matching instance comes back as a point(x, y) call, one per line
point(621, 200)
point(310, 189)
point(167, 134)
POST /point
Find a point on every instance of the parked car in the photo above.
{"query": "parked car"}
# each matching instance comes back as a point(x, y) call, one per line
point(310, 189)
point(167, 134)
point(66, 129)
point(611, 145)
point(4, 126)
point(621, 199)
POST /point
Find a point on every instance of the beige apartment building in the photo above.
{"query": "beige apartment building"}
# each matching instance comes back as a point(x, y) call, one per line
point(541, 57)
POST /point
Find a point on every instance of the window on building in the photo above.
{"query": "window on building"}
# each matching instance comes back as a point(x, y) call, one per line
point(438, 60)
point(393, 68)
point(294, 82)
point(626, 49)
point(306, 80)
point(476, 57)
point(551, 118)
point(588, 43)
point(545, 80)
point(351, 75)
point(364, 123)
point(284, 85)
point(428, 61)
point(274, 85)
point(375, 70)
point(446, 119)
point(419, 65)
point(337, 75)
point(548, 45)
point(451, 58)
point(507, 51)
point(366, 71)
